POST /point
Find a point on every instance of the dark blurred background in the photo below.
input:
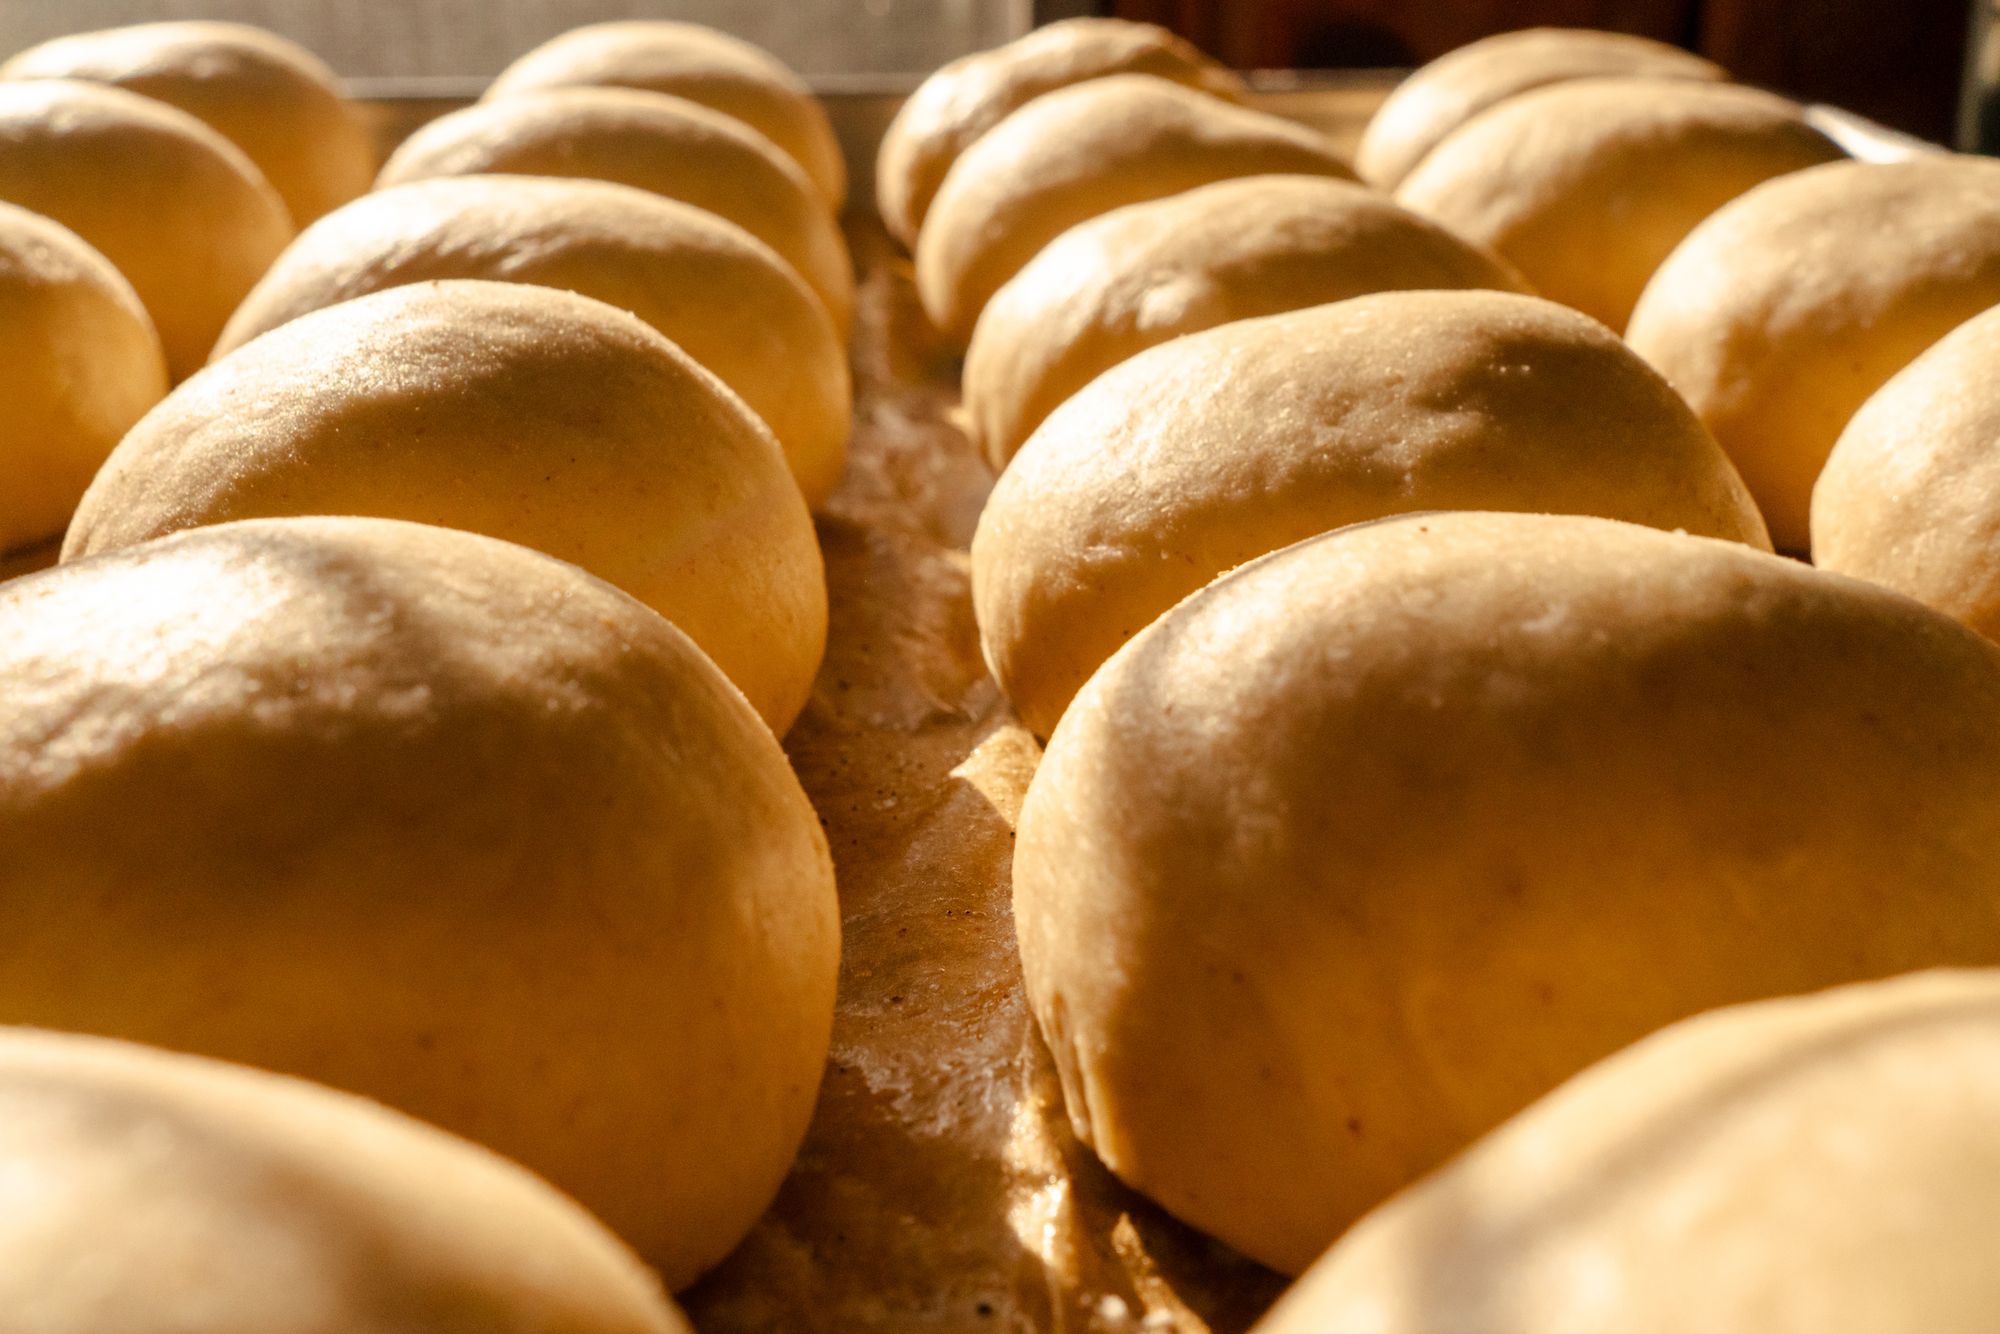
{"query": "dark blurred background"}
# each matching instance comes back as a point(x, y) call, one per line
point(1899, 61)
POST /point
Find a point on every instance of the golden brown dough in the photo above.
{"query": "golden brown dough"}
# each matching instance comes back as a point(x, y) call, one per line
point(972, 94)
point(188, 220)
point(667, 145)
point(1910, 497)
point(1373, 842)
point(431, 818)
point(1460, 84)
point(79, 363)
point(1786, 309)
point(732, 76)
point(1137, 276)
point(1819, 1165)
point(522, 412)
point(1080, 151)
point(272, 98)
point(727, 299)
point(1588, 185)
point(1203, 453)
point(163, 1194)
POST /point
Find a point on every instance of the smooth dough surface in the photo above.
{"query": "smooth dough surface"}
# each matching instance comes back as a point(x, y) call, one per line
point(1778, 316)
point(1587, 186)
point(1137, 276)
point(1080, 151)
point(668, 145)
point(732, 76)
point(431, 818)
point(1373, 842)
point(1818, 1165)
point(1203, 453)
point(723, 296)
point(161, 1194)
point(522, 412)
point(1460, 84)
point(79, 363)
point(1910, 497)
point(271, 97)
point(185, 216)
point(972, 94)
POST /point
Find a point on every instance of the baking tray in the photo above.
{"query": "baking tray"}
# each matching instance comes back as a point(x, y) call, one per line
point(939, 1186)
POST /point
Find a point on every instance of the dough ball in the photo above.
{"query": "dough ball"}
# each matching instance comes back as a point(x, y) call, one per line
point(729, 301)
point(1587, 186)
point(1910, 497)
point(1821, 1165)
point(182, 213)
point(161, 1194)
point(1080, 151)
point(667, 145)
point(1140, 275)
point(1782, 313)
point(1368, 845)
point(1457, 86)
point(1219, 447)
point(272, 98)
point(431, 818)
point(79, 363)
point(725, 73)
point(521, 412)
point(972, 94)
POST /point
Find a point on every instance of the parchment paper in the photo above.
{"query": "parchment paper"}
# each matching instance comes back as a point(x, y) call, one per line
point(940, 1187)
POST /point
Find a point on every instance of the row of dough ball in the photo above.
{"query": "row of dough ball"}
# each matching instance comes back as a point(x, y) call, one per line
point(1578, 190)
point(1774, 314)
point(1166, 433)
point(572, 902)
point(525, 412)
point(1356, 851)
point(1582, 158)
point(84, 363)
point(1582, 161)
point(707, 284)
point(165, 189)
